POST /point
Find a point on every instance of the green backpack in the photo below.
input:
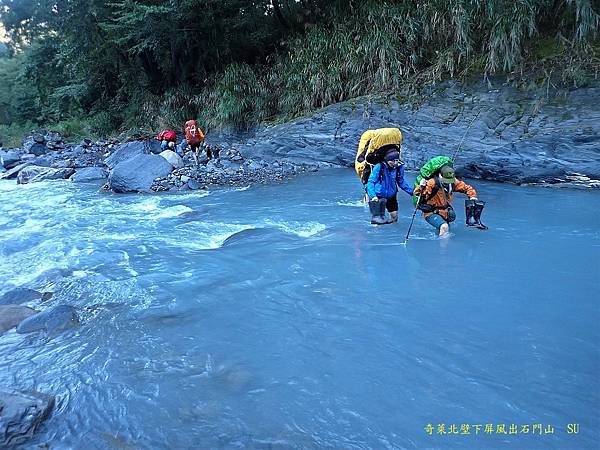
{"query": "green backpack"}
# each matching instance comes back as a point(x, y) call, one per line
point(429, 169)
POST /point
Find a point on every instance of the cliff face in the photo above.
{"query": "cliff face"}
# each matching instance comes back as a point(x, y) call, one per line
point(507, 135)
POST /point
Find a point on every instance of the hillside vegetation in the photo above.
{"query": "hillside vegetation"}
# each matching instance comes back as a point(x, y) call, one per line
point(96, 68)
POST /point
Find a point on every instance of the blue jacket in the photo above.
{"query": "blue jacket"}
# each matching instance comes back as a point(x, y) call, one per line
point(385, 185)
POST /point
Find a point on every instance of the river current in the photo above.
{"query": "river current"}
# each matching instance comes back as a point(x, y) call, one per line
point(277, 317)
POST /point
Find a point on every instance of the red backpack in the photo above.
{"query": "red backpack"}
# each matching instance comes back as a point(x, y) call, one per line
point(167, 135)
point(193, 134)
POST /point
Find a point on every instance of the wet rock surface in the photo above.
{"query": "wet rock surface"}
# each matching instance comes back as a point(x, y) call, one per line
point(21, 414)
point(88, 174)
point(32, 174)
point(22, 295)
point(13, 315)
point(51, 321)
point(138, 173)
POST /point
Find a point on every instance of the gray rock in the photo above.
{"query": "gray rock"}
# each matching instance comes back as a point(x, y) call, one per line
point(254, 166)
point(9, 158)
point(506, 137)
point(87, 174)
point(226, 164)
point(173, 158)
point(34, 174)
point(21, 414)
point(35, 148)
point(22, 295)
point(38, 138)
point(52, 321)
point(14, 172)
point(42, 161)
point(78, 150)
point(138, 173)
point(125, 152)
point(193, 184)
point(154, 147)
point(13, 315)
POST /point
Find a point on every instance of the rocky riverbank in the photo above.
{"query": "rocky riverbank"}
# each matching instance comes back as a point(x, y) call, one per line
point(532, 136)
point(522, 136)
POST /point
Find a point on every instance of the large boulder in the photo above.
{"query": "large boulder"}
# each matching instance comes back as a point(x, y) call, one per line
point(34, 174)
point(88, 174)
point(52, 321)
point(21, 413)
point(127, 151)
point(9, 158)
point(138, 173)
point(13, 315)
point(22, 295)
point(173, 158)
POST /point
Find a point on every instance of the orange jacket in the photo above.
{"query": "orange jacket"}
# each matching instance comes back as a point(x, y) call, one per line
point(442, 198)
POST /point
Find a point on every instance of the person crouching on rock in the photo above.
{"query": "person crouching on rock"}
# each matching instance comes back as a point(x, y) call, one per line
point(382, 188)
point(167, 139)
point(435, 197)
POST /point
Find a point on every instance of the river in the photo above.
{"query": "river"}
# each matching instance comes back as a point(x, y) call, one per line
point(277, 317)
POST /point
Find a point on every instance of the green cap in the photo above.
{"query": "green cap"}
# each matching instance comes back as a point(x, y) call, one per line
point(447, 174)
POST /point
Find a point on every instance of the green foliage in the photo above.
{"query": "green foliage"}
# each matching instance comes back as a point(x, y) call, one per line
point(17, 101)
point(151, 64)
point(12, 135)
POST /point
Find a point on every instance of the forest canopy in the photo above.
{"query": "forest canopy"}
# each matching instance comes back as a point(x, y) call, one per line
point(100, 66)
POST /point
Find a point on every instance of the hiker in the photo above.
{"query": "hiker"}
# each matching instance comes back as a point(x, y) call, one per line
point(435, 196)
point(372, 147)
point(168, 140)
point(194, 137)
point(382, 187)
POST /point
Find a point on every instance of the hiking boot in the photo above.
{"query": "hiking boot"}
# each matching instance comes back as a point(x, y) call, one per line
point(378, 220)
point(473, 210)
point(376, 207)
point(470, 213)
point(478, 209)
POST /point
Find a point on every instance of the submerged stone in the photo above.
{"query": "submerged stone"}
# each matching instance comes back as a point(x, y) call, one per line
point(13, 315)
point(21, 414)
point(21, 295)
point(52, 321)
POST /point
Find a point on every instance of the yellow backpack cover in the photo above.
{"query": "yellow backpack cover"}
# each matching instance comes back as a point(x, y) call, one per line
point(368, 154)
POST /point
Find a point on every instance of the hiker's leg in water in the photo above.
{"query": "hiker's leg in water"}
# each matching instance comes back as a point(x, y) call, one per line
point(444, 229)
point(392, 207)
point(438, 222)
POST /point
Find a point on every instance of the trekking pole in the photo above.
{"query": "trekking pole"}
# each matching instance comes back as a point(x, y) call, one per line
point(464, 136)
point(453, 158)
point(413, 219)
